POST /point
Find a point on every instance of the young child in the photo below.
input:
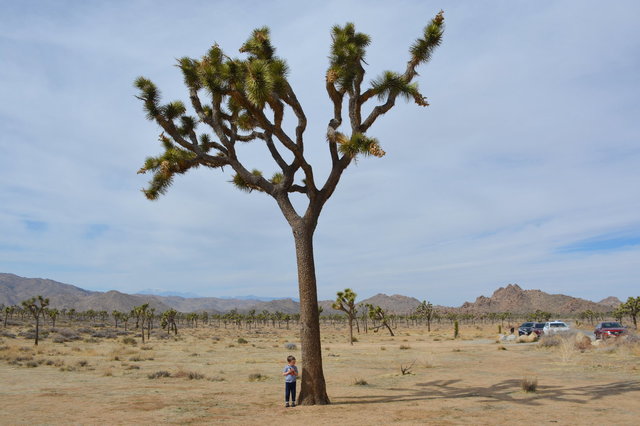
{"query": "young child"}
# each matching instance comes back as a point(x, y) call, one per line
point(290, 374)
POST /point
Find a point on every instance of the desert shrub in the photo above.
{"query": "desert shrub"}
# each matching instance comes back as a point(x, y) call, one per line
point(404, 347)
point(354, 339)
point(290, 346)
point(85, 330)
point(529, 384)
point(360, 382)
point(83, 363)
point(406, 369)
point(129, 341)
point(550, 341)
point(159, 374)
point(107, 334)
point(383, 348)
point(5, 333)
point(502, 348)
point(215, 338)
point(136, 358)
point(195, 376)
point(582, 342)
point(133, 367)
point(32, 364)
point(242, 341)
point(216, 379)
point(91, 340)
point(257, 377)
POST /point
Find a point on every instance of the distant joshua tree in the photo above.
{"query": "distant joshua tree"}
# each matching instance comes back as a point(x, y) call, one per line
point(376, 313)
point(346, 302)
point(53, 315)
point(8, 312)
point(36, 306)
point(632, 308)
point(425, 310)
point(168, 321)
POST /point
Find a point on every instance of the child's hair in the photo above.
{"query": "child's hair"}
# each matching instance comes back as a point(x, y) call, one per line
point(291, 358)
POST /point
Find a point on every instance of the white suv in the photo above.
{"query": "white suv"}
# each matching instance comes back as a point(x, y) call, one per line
point(553, 327)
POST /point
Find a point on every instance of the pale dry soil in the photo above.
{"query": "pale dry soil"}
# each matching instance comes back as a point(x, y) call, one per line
point(470, 380)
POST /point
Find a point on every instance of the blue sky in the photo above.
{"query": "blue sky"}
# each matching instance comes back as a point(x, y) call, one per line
point(524, 169)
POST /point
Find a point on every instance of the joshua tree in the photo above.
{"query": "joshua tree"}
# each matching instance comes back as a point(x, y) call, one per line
point(425, 310)
point(168, 321)
point(346, 302)
point(376, 313)
point(246, 100)
point(8, 312)
point(36, 306)
point(632, 308)
point(53, 315)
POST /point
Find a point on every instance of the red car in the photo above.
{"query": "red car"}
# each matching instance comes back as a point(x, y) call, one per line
point(608, 329)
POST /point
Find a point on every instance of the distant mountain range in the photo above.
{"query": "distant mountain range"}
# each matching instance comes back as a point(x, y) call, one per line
point(512, 298)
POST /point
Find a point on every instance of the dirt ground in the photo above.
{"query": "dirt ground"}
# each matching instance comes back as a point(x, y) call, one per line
point(216, 378)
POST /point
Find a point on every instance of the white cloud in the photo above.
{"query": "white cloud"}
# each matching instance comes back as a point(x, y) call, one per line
point(530, 145)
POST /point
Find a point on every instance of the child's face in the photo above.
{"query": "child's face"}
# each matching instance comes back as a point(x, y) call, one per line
point(292, 362)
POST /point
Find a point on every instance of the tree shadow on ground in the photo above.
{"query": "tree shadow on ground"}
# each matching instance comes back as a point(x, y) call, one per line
point(505, 391)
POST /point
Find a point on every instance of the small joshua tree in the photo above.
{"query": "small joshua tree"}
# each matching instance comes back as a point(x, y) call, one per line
point(8, 312)
point(36, 306)
point(346, 302)
point(53, 315)
point(376, 313)
point(425, 310)
point(632, 308)
point(168, 321)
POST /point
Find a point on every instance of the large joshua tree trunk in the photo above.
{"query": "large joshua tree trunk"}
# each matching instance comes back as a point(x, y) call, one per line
point(313, 388)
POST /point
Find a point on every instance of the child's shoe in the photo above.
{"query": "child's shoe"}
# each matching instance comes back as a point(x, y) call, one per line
point(293, 404)
point(287, 405)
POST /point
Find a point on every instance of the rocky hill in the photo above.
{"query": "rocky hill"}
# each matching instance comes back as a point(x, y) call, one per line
point(514, 299)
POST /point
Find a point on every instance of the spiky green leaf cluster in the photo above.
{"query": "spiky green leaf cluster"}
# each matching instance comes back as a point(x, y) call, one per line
point(423, 47)
point(277, 178)
point(391, 83)
point(164, 167)
point(243, 185)
point(359, 144)
point(150, 95)
point(348, 50)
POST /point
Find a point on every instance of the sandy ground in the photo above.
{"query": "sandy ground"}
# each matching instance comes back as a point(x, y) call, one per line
point(470, 380)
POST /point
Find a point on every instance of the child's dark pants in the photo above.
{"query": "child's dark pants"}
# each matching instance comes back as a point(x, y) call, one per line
point(290, 389)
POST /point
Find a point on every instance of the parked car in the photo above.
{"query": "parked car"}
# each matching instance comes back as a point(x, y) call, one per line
point(553, 327)
point(525, 328)
point(538, 328)
point(608, 329)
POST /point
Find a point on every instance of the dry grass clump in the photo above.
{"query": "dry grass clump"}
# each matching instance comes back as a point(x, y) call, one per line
point(530, 338)
point(529, 384)
point(360, 382)
point(159, 374)
point(242, 341)
point(550, 341)
point(129, 341)
point(290, 346)
point(257, 377)
point(404, 347)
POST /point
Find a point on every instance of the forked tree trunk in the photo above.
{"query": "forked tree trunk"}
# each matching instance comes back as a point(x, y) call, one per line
point(313, 390)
